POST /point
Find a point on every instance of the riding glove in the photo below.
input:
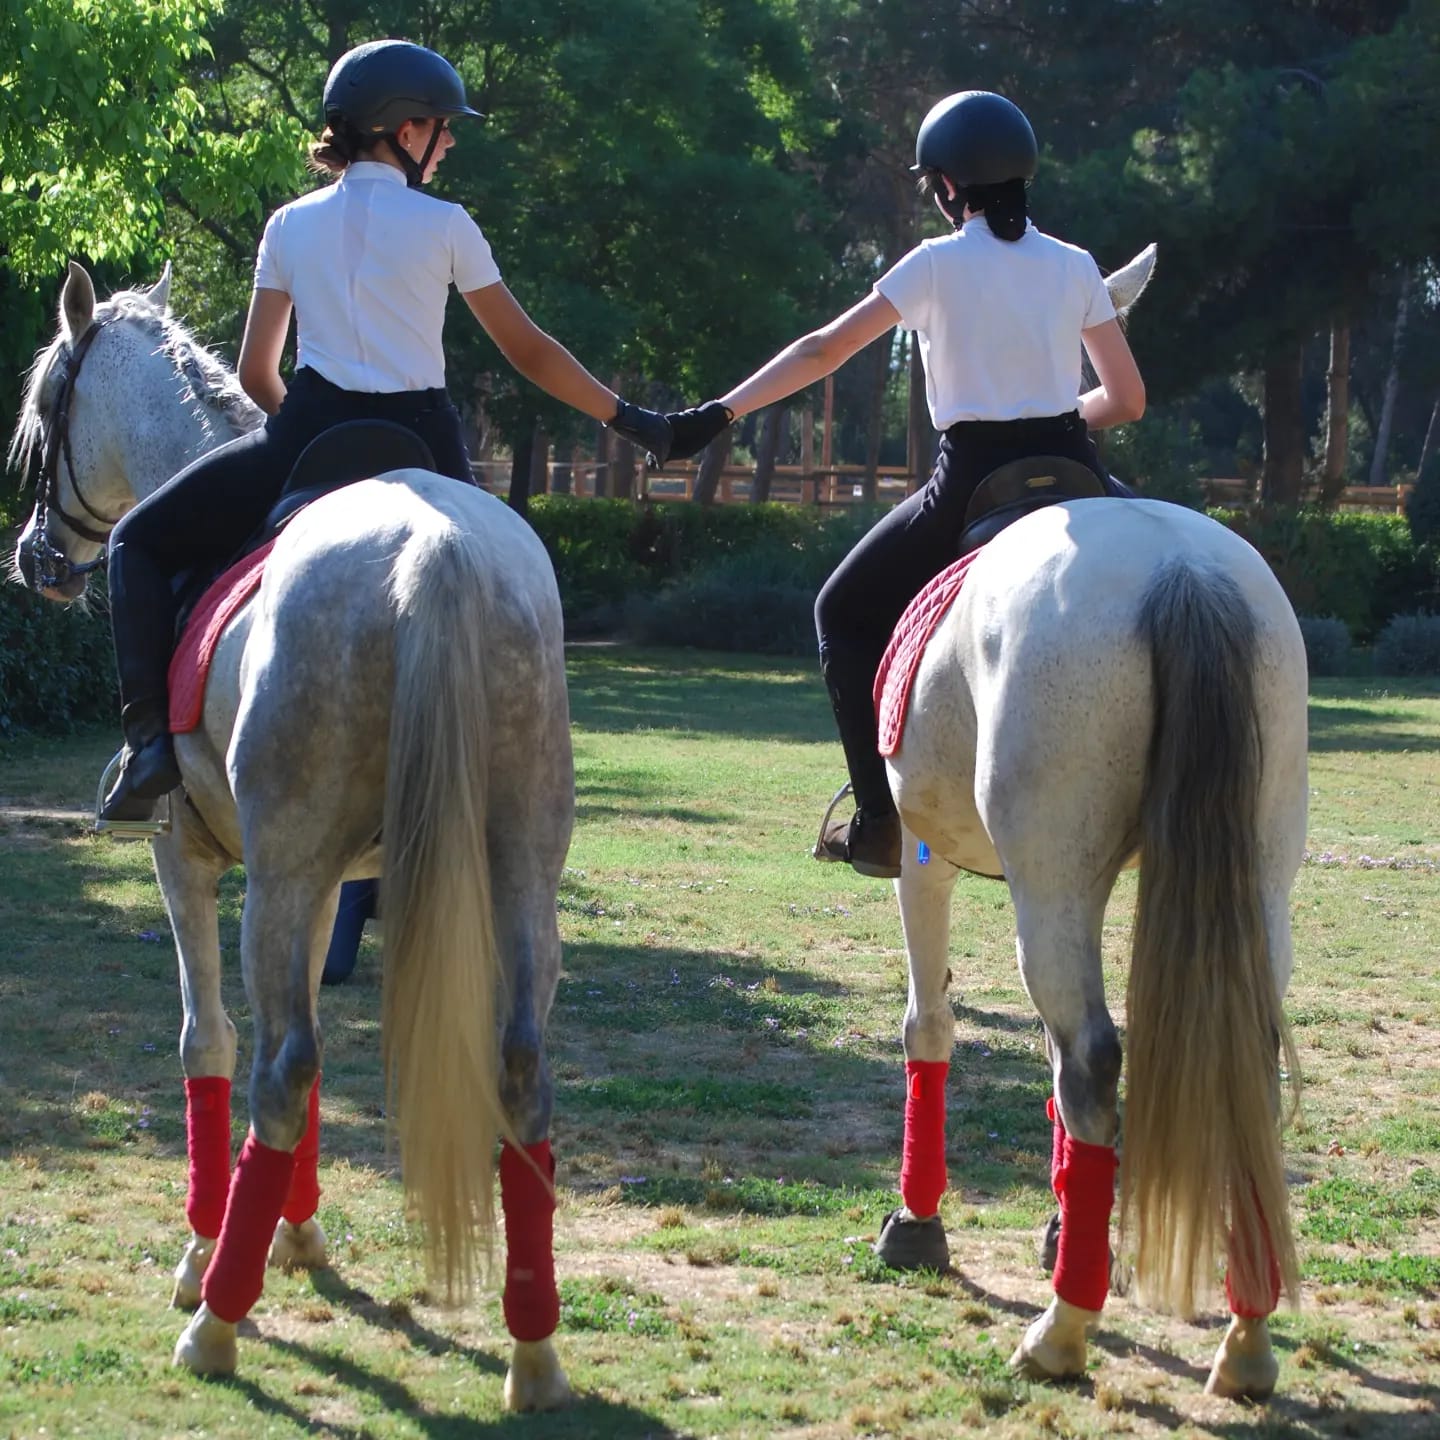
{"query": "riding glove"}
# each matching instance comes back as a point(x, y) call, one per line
point(693, 430)
point(648, 429)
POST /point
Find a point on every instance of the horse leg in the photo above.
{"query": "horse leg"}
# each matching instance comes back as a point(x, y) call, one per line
point(528, 939)
point(1245, 1367)
point(284, 933)
point(189, 869)
point(913, 1237)
point(299, 1241)
point(1059, 951)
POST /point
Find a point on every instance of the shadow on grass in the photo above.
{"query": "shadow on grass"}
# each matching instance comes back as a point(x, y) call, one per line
point(700, 692)
point(1368, 727)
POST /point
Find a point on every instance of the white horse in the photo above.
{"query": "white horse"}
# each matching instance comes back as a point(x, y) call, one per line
point(1120, 680)
point(397, 680)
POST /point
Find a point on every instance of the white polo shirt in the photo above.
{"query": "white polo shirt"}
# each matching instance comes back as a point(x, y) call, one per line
point(999, 321)
point(368, 263)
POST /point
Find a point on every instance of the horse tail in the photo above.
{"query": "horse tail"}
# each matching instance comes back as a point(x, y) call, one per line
point(1203, 1170)
point(441, 964)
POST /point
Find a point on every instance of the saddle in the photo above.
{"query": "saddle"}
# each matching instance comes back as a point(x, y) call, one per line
point(1023, 486)
point(337, 457)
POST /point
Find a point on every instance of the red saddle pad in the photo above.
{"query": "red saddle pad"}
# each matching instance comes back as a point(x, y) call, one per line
point(902, 656)
point(190, 664)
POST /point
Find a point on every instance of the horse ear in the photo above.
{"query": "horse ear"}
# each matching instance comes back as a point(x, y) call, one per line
point(77, 301)
point(160, 291)
point(1128, 283)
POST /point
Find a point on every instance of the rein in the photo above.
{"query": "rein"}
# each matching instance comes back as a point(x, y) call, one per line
point(52, 565)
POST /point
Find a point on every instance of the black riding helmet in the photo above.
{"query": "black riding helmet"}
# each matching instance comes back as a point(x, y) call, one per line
point(976, 138)
point(374, 89)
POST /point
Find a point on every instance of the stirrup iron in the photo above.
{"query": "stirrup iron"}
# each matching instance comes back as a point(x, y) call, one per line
point(158, 824)
point(819, 852)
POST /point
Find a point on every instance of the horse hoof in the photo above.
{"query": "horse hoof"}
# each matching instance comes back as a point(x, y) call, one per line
point(1054, 1345)
point(535, 1380)
point(190, 1273)
point(298, 1247)
point(207, 1345)
point(1245, 1366)
point(1050, 1244)
point(906, 1243)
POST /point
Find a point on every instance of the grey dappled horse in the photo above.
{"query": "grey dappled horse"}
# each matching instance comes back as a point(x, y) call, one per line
point(396, 687)
point(1121, 680)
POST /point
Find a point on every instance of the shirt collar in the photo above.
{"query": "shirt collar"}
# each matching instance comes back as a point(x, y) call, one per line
point(373, 170)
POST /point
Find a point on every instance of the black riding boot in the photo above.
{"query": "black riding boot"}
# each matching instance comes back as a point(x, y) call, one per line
point(142, 615)
point(870, 840)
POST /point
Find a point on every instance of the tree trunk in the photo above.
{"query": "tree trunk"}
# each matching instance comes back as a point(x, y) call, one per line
point(540, 462)
point(1283, 477)
point(622, 469)
point(602, 460)
point(1337, 415)
point(1432, 439)
point(1381, 457)
point(765, 457)
point(713, 460)
point(519, 496)
point(875, 416)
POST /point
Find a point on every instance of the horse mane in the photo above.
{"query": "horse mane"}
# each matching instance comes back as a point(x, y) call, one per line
point(210, 387)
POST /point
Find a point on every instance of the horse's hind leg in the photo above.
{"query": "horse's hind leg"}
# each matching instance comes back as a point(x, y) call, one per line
point(1059, 952)
point(525, 877)
point(913, 1237)
point(189, 868)
point(283, 939)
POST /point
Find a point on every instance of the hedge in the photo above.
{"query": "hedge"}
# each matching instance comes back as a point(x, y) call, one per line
point(742, 577)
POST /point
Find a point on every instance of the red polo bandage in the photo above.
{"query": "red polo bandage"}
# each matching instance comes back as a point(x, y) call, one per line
point(1057, 1144)
point(207, 1142)
point(1085, 1184)
point(237, 1273)
point(532, 1303)
point(304, 1198)
point(922, 1163)
point(1249, 1307)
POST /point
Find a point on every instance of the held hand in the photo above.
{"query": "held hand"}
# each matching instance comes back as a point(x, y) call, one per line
point(648, 429)
point(694, 429)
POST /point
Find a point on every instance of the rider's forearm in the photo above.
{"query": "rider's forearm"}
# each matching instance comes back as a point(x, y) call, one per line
point(556, 371)
point(800, 364)
point(267, 391)
point(1099, 409)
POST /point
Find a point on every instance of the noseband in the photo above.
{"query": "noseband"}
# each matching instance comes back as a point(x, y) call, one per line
point(53, 566)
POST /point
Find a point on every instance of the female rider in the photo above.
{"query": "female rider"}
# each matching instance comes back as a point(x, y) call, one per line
point(366, 264)
point(1002, 311)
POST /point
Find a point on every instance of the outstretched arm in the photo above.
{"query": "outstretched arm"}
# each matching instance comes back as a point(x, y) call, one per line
point(799, 364)
point(545, 361)
point(537, 356)
point(815, 355)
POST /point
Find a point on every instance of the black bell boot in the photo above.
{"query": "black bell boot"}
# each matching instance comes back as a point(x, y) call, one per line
point(148, 768)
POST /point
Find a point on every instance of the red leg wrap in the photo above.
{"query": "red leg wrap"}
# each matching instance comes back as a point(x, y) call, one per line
point(304, 1198)
point(532, 1303)
point(1254, 1306)
point(207, 1141)
point(922, 1164)
point(1086, 1187)
point(1057, 1144)
point(237, 1273)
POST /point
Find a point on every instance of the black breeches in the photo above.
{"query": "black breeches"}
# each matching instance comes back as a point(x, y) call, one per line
point(860, 603)
point(203, 515)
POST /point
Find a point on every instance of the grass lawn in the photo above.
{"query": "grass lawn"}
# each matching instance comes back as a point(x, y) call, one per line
point(728, 1119)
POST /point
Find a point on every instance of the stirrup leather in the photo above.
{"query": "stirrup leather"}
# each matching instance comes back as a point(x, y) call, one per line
point(158, 824)
point(819, 852)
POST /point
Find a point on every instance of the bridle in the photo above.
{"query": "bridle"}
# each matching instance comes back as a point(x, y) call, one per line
point(52, 566)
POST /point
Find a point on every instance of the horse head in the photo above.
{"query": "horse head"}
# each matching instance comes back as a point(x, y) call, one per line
point(120, 399)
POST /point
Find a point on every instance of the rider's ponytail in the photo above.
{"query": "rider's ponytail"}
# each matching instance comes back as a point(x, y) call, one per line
point(334, 152)
point(1003, 206)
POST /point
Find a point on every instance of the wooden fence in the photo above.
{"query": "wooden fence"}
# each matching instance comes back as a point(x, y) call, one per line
point(843, 485)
